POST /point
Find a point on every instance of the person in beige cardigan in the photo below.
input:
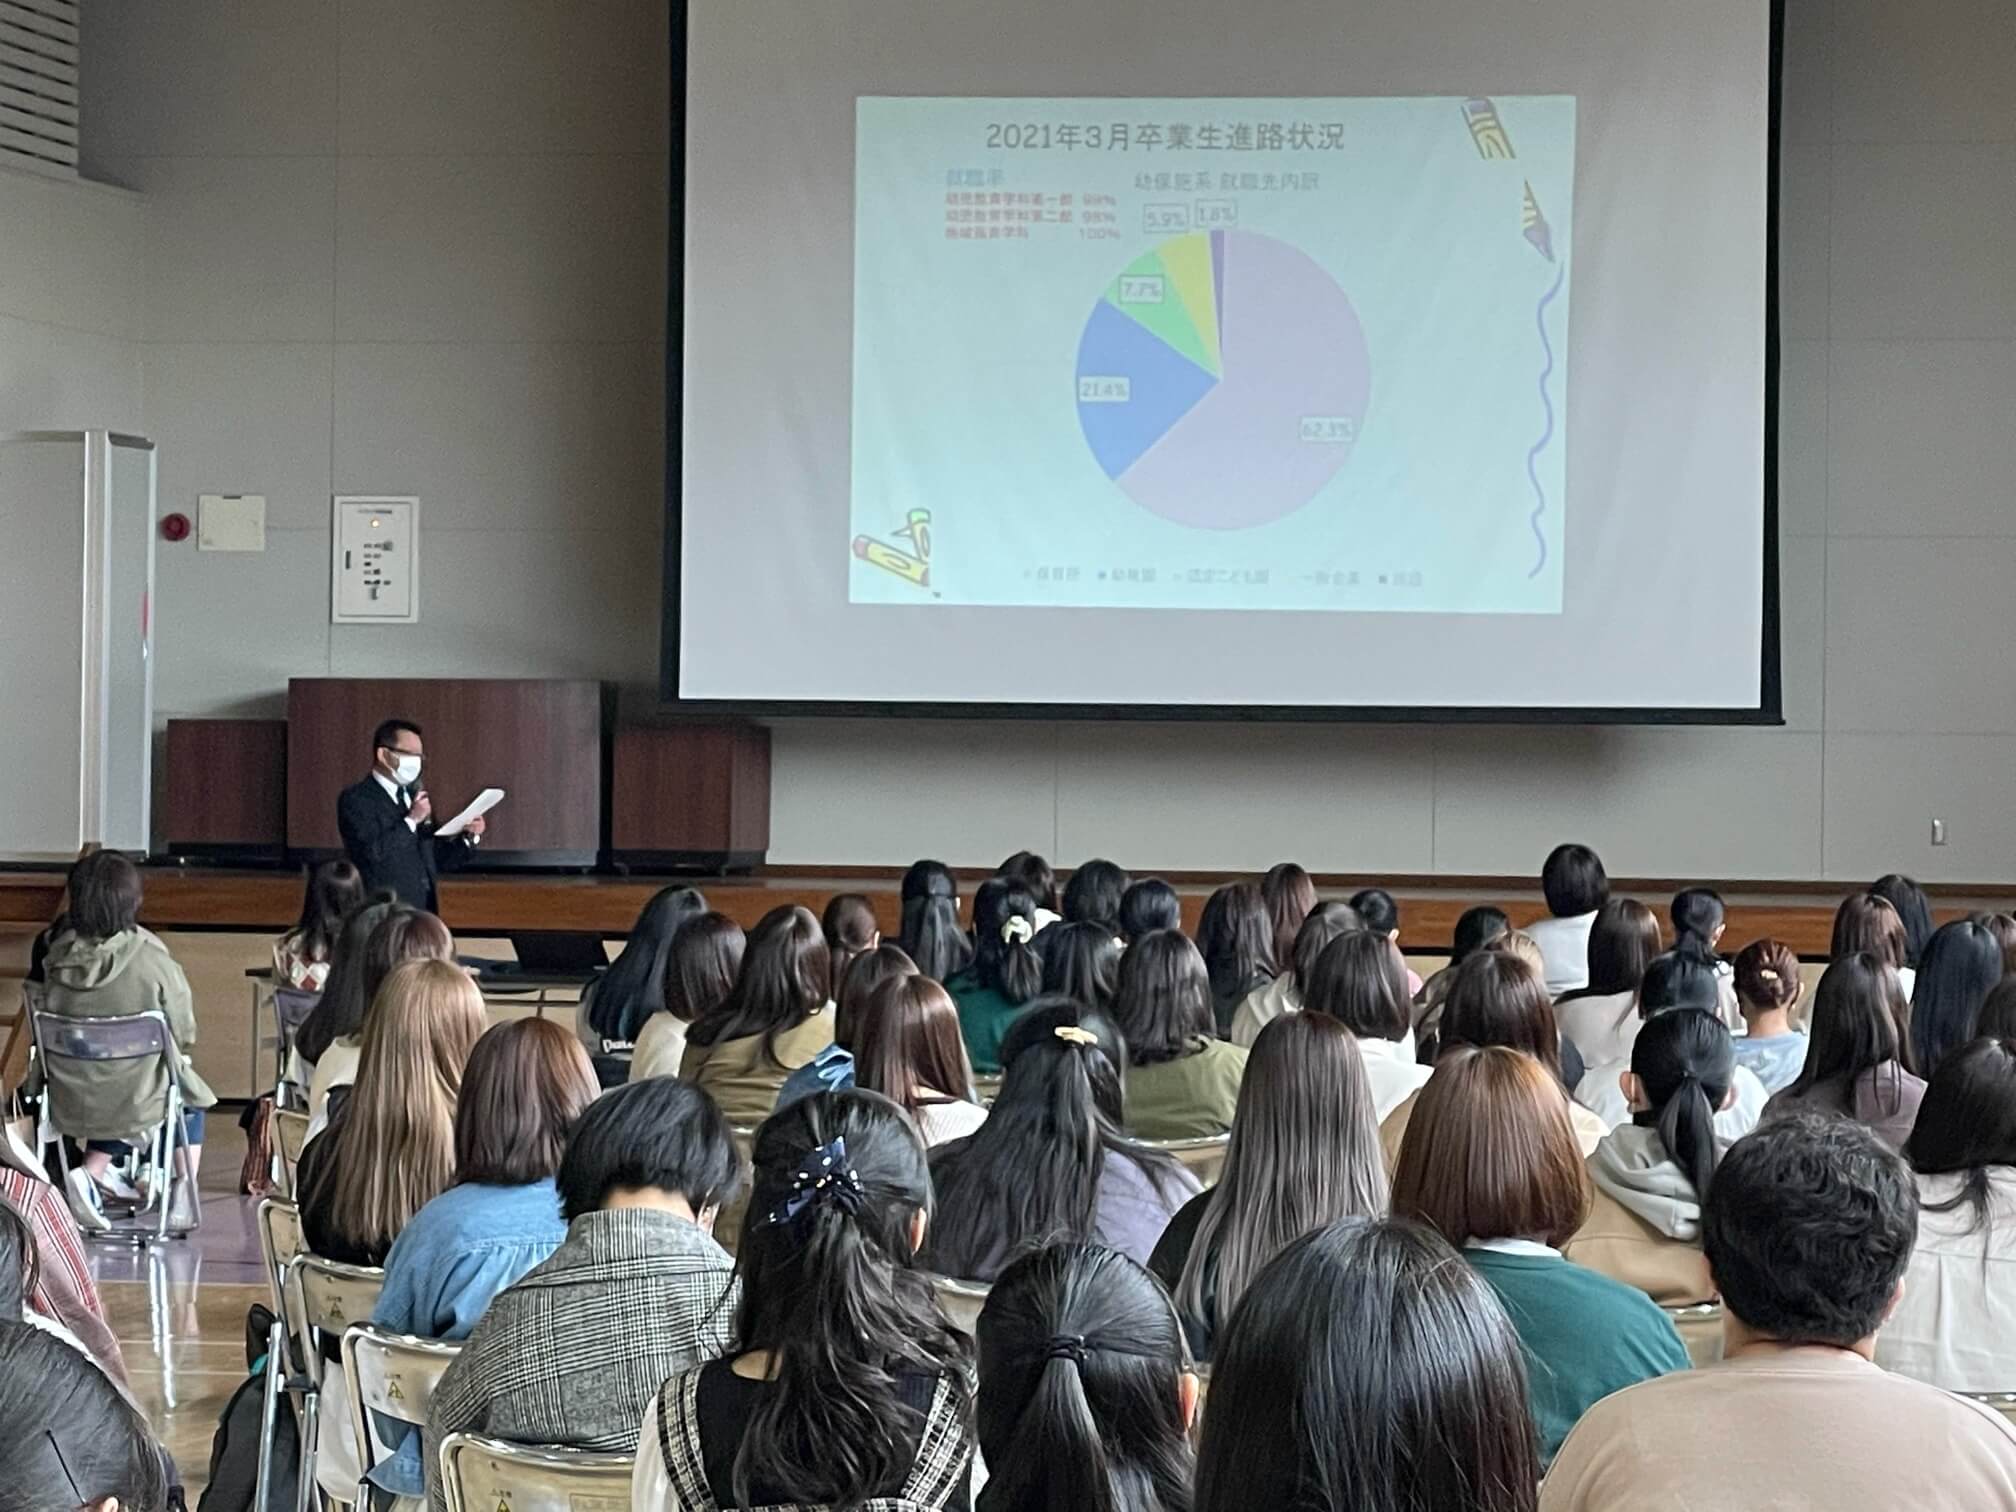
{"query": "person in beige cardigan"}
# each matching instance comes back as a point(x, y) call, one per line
point(777, 1017)
point(1651, 1174)
point(102, 964)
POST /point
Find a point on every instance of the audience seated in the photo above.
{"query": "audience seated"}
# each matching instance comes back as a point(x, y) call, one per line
point(575, 1350)
point(850, 929)
point(1683, 978)
point(844, 1381)
point(102, 964)
point(1651, 1174)
point(2003, 927)
point(931, 934)
point(1914, 912)
point(1304, 1153)
point(1808, 1229)
point(1475, 928)
point(1006, 972)
point(1699, 922)
point(1576, 888)
point(1961, 964)
point(1149, 905)
point(776, 1018)
point(1955, 1326)
point(339, 1012)
point(1235, 936)
point(1855, 1060)
point(909, 1050)
point(1360, 981)
point(525, 1085)
point(389, 1149)
point(1497, 999)
point(1081, 961)
point(1086, 1394)
point(1768, 988)
point(1868, 924)
point(1285, 992)
point(1998, 1012)
point(1289, 895)
point(1032, 874)
point(1182, 1080)
point(1304, 1415)
point(1381, 914)
point(1490, 1161)
point(616, 1005)
point(832, 1069)
point(1093, 895)
point(403, 934)
point(700, 971)
point(71, 1440)
point(1051, 1164)
point(301, 956)
point(1602, 1018)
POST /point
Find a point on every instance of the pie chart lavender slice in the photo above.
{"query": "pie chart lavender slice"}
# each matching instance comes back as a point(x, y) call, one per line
point(1132, 387)
point(1286, 412)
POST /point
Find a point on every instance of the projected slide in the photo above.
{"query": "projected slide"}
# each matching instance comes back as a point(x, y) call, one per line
point(1212, 354)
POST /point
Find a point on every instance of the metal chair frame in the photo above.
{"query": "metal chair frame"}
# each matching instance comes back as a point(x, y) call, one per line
point(601, 1481)
point(430, 1357)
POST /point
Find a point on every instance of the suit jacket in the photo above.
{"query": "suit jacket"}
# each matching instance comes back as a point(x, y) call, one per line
point(387, 851)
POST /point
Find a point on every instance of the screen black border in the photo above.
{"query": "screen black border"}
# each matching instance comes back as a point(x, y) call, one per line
point(1769, 710)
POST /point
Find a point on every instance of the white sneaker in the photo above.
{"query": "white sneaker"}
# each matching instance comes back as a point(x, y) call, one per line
point(84, 1206)
point(113, 1185)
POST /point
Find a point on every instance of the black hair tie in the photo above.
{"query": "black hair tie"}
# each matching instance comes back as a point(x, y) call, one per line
point(1066, 1347)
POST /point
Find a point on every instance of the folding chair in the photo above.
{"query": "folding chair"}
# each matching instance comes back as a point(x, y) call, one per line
point(482, 1473)
point(1205, 1156)
point(290, 1136)
point(1700, 1327)
point(2003, 1402)
point(391, 1376)
point(962, 1301)
point(728, 1222)
point(62, 1042)
point(987, 1088)
point(323, 1297)
point(291, 1007)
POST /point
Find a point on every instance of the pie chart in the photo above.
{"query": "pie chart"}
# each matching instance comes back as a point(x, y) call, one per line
point(1223, 379)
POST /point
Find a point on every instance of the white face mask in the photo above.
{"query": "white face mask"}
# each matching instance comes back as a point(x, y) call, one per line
point(406, 770)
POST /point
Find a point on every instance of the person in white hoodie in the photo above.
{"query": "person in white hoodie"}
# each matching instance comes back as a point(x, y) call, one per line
point(1651, 1175)
point(1955, 1327)
point(1361, 981)
point(1576, 886)
point(1682, 978)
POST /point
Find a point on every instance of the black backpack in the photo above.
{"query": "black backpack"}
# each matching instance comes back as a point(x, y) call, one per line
point(234, 1452)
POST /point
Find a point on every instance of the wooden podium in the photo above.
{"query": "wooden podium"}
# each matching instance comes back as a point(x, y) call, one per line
point(690, 797)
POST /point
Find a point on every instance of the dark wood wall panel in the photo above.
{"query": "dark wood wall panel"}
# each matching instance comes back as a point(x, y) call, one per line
point(539, 740)
point(701, 789)
point(225, 785)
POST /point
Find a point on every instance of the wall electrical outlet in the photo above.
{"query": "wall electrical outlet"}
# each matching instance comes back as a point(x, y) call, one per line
point(1938, 831)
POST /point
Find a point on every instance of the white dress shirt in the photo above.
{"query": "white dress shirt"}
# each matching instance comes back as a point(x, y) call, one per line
point(1393, 1071)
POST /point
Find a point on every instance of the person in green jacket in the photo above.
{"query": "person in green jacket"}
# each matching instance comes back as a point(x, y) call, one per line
point(1490, 1160)
point(1182, 1080)
point(1006, 971)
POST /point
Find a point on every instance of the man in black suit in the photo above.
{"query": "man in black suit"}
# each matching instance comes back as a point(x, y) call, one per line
point(387, 821)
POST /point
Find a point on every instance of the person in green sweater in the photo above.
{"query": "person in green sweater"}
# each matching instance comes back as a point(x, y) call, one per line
point(1490, 1161)
point(1182, 1080)
point(1006, 972)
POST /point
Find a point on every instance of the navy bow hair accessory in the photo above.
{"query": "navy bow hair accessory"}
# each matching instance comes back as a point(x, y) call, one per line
point(824, 1176)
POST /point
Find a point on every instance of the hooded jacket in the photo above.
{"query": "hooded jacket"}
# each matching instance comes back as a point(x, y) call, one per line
point(127, 973)
point(1644, 1226)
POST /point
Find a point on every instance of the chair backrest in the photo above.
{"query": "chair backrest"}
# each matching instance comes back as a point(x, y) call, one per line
point(962, 1301)
point(1700, 1328)
point(1205, 1156)
point(131, 1036)
point(328, 1296)
point(290, 1130)
point(279, 1242)
point(394, 1376)
point(728, 1222)
point(291, 1007)
point(2003, 1402)
point(987, 1088)
point(480, 1474)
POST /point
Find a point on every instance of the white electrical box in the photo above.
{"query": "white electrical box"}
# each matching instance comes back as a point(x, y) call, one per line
point(374, 570)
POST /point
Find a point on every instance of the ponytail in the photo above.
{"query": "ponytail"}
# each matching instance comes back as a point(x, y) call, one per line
point(1686, 1062)
point(933, 939)
point(1687, 1129)
point(1697, 919)
point(1004, 935)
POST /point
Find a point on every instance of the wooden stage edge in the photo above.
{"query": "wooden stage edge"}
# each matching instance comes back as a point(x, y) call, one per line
point(187, 898)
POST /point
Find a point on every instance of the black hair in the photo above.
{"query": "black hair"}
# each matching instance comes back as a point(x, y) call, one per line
point(850, 927)
point(929, 879)
point(1574, 881)
point(1081, 960)
point(1476, 928)
point(633, 988)
point(931, 937)
point(1361, 981)
point(1235, 934)
point(1697, 914)
point(1368, 1369)
point(1149, 905)
point(1323, 924)
point(69, 1431)
point(787, 976)
point(1093, 894)
point(390, 730)
point(1958, 968)
point(340, 1010)
point(1855, 1031)
point(660, 1132)
point(1678, 979)
point(1033, 875)
point(1030, 1175)
point(1913, 908)
point(1967, 1123)
point(333, 889)
point(1685, 1061)
point(1376, 907)
point(1808, 1227)
point(1080, 1360)
point(1164, 1002)
point(105, 895)
point(835, 1296)
point(1004, 941)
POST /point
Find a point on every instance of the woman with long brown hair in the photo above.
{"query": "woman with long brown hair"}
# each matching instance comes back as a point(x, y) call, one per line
point(1491, 1163)
point(777, 1018)
point(1182, 1080)
point(1867, 923)
point(700, 972)
point(907, 1046)
point(1304, 1153)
